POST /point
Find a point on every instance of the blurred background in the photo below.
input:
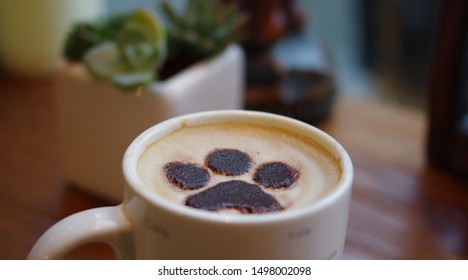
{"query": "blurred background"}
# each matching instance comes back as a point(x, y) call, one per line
point(378, 49)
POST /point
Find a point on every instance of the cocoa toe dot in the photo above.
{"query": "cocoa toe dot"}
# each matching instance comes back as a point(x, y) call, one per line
point(229, 162)
point(187, 176)
point(235, 194)
point(276, 175)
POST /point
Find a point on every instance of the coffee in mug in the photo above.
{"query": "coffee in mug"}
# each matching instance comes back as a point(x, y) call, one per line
point(229, 184)
point(239, 168)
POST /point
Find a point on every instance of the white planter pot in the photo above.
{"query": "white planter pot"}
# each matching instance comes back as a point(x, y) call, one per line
point(97, 121)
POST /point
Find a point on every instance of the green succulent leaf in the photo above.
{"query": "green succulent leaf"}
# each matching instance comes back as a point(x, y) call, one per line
point(132, 80)
point(203, 28)
point(133, 55)
point(83, 36)
point(104, 60)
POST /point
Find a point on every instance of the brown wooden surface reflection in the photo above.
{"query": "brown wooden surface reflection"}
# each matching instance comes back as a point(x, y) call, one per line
point(401, 209)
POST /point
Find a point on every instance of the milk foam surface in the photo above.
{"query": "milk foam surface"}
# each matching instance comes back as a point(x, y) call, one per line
point(319, 171)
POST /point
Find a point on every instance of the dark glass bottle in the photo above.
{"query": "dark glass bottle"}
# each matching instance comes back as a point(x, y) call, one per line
point(288, 69)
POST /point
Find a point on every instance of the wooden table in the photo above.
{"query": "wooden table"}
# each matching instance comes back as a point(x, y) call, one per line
point(401, 208)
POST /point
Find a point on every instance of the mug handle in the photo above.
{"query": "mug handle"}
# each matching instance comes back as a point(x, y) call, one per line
point(105, 224)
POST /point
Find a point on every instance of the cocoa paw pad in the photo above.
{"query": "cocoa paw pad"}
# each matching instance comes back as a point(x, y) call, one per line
point(276, 175)
point(235, 194)
point(187, 176)
point(229, 162)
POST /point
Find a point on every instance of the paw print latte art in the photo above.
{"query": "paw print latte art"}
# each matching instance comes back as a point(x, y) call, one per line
point(238, 168)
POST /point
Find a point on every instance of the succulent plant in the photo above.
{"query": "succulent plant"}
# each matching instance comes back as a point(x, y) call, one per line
point(126, 49)
point(202, 29)
point(131, 49)
point(85, 35)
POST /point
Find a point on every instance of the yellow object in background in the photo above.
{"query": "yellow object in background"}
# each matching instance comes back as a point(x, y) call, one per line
point(32, 32)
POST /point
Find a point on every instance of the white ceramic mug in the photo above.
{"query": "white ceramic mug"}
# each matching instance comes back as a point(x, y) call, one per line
point(146, 226)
